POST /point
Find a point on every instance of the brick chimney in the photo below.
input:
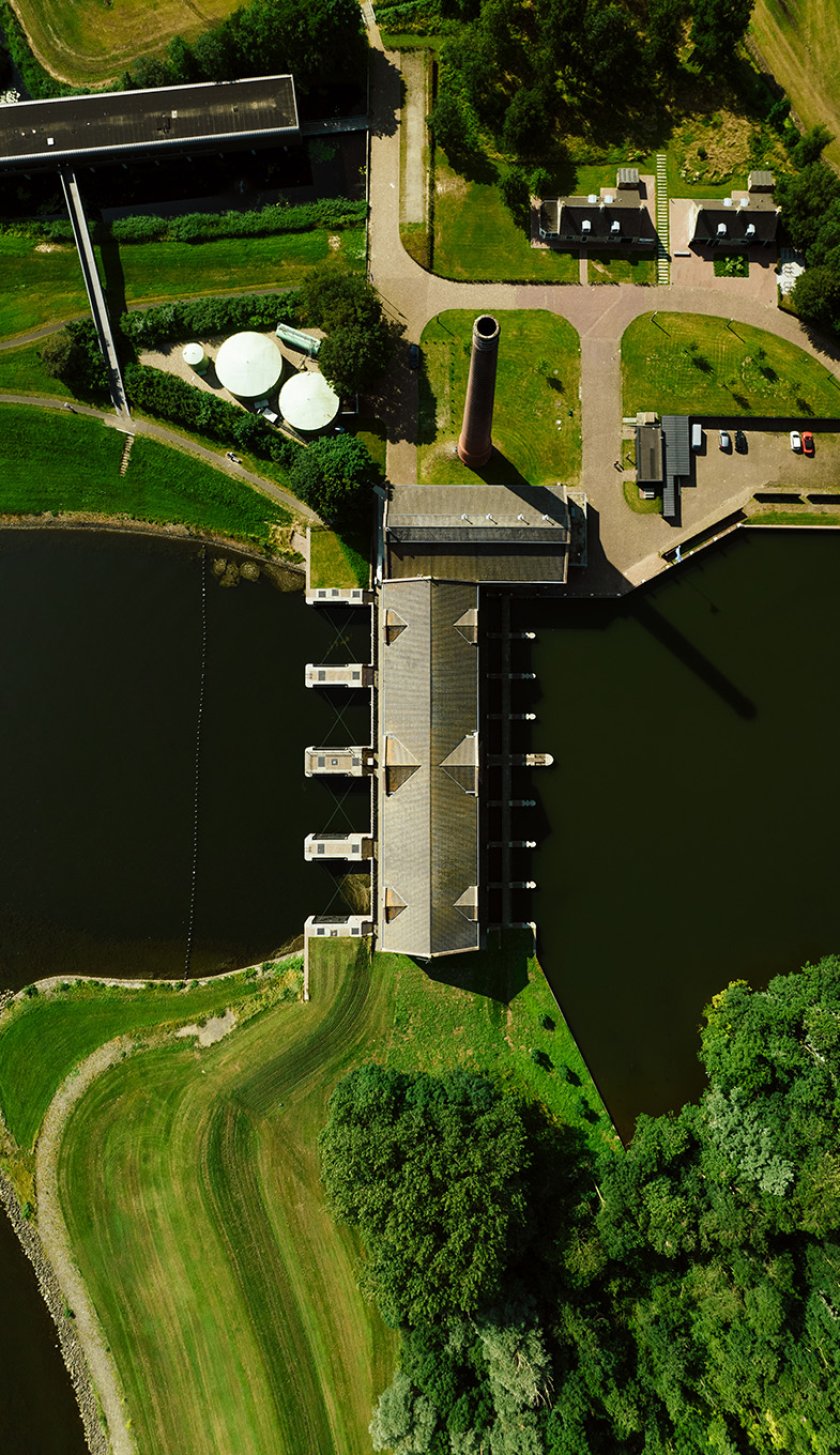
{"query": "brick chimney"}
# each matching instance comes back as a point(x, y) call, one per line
point(475, 444)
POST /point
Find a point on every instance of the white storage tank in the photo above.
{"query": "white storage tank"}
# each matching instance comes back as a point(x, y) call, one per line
point(249, 365)
point(194, 355)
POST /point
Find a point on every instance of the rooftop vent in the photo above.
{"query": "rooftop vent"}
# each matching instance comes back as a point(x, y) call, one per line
point(586, 225)
point(608, 201)
point(727, 201)
point(592, 199)
point(744, 202)
point(750, 229)
point(721, 229)
point(615, 228)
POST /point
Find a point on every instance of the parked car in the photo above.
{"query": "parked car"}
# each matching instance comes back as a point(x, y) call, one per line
point(725, 441)
point(414, 356)
point(807, 442)
point(740, 442)
point(796, 441)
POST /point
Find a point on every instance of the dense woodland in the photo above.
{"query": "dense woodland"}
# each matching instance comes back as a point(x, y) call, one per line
point(678, 1298)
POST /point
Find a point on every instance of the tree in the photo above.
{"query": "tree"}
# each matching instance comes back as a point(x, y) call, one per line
point(74, 356)
point(334, 476)
point(816, 297)
point(432, 1172)
point(717, 27)
point(811, 146)
point(360, 341)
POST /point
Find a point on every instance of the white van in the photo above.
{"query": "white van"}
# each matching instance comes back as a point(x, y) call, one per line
point(697, 437)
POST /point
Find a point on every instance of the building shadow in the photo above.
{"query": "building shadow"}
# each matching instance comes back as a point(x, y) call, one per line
point(385, 84)
point(670, 637)
point(114, 277)
point(498, 972)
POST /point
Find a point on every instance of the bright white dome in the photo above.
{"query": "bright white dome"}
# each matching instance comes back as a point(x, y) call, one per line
point(308, 402)
point(249, 364)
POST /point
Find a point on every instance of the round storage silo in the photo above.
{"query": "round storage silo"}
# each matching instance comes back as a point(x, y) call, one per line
point(308, 403)
point(249, 365)
point(194, 355)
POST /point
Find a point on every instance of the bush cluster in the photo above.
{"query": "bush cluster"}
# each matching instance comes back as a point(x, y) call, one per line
point(203, 317)
point(38, 82)
point(196, 227)
point(172, 399)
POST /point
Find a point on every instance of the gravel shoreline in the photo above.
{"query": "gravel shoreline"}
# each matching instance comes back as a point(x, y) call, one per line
point(69, 1344)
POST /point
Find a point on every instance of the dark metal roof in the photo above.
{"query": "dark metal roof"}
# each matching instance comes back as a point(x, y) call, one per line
point(761, 181)
point(118, 122)
point(624, 221)
point(459, 534)
point(536, 564)
point(760, 215)
point(649, 455)
point(675, 428)
point(478, 532)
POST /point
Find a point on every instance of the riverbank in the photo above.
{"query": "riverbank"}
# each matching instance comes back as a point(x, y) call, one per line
point(82, 521)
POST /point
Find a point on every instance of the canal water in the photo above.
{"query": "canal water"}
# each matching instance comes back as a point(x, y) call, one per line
point(687, 834)
point(100, 676)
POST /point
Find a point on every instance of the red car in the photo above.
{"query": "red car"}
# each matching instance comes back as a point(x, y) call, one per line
point(807, 442)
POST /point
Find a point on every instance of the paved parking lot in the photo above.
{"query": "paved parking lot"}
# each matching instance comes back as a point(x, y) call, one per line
point(768, 464)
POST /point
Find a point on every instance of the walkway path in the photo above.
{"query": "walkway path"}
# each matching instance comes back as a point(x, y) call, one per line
point(621, 540)
point(175, 441)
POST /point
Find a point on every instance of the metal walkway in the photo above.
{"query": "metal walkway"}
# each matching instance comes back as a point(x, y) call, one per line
point(93, 287)
point(663, 260)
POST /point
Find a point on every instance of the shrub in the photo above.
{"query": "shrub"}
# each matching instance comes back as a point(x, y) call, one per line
point(203, 317)
point(167, 397)
point(74, 356)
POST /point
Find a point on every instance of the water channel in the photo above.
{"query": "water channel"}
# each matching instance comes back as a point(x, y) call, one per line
point(686, 833)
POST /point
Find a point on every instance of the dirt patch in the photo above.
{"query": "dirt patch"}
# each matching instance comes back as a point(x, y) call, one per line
point(51, 248)
point(334, 242)
point(214, 1029)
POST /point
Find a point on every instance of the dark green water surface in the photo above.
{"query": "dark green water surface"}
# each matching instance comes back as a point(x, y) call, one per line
point(688, 832)
point(100, 673)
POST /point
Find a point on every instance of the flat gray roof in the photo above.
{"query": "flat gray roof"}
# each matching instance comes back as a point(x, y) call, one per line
point(478, 532)
point(428, 895)
point(119, 122)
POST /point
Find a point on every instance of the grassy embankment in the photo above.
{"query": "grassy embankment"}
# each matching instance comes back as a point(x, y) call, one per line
point(83, 45)
point(335, 561)
point(687, 363)
point(65, 464)
point(801, 46)
point(536, 423)
point(476, 237)
point(42, 283)
point(190, 1181)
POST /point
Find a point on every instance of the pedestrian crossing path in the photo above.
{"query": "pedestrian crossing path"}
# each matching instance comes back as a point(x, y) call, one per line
point(663, 261)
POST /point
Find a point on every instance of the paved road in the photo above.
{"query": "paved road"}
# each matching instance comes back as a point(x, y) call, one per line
point(623, 543)
point(176, 441)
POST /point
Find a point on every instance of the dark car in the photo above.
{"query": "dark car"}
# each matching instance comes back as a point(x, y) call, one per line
point(740, 442)
point(414, 356)
point(807, 442)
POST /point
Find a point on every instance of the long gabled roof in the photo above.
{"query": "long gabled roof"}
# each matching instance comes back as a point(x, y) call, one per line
point(428, 781)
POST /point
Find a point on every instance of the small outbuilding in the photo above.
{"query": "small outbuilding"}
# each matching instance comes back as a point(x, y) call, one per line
point(649, 455)
point(249, 365)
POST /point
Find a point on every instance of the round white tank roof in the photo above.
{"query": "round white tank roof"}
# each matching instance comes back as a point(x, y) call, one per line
point(308, 402)
point(193, 354)
point(249, 364)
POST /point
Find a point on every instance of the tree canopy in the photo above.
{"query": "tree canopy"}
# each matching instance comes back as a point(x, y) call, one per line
point(360, 341)
point(334, 475)
point(682, 1298)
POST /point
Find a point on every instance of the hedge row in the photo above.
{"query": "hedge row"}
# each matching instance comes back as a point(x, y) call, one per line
point(169, 398)
point(332, 212)
point(147, 328)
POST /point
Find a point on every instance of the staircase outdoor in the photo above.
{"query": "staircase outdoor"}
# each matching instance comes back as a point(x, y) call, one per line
point(663, 262)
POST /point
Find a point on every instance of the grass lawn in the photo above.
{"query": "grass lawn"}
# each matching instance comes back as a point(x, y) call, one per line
point(690, 364)
point(793, 517)
point(21, 372)
point(46, 287)
point(801, 46)
point(86, 43)
point(66, 463)
point(537, 386)
point(336, 562)
point(190, 1185)
point(476, 237)
point(622, 270)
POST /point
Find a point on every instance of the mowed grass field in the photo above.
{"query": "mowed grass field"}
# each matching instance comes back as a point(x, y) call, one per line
point(334, 561)
point(56, 463)
point(190, 1185)
point(475, 237)
point(536, 420)
point(42, 283)
point(687, 363)
point(801, 45)
point(87, 42)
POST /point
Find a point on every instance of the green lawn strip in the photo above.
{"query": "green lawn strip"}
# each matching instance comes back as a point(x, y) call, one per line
point(536, 422)
point(475, 236)
point(622, 270)
point(334, 561)
point(793, 517)
point(192, 1190)
point(692, 364)
point(21, 372)
point(43, 1038)
point(67, 463)
point(42, 283)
